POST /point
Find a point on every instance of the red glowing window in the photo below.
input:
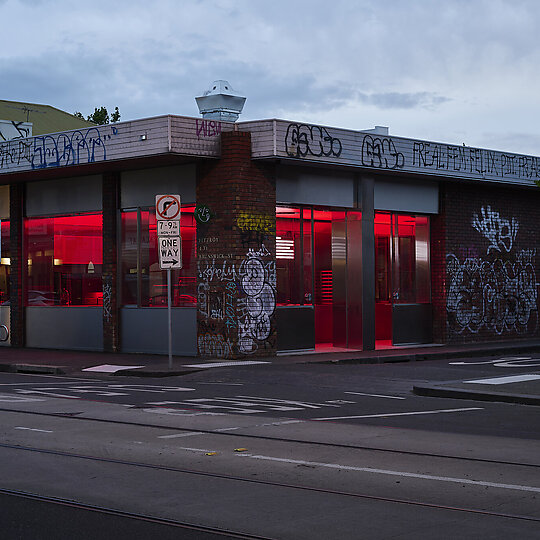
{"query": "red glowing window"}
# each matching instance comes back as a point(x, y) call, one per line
point(64, 260)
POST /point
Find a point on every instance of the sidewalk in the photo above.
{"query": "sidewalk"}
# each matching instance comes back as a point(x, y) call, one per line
point(523, 389)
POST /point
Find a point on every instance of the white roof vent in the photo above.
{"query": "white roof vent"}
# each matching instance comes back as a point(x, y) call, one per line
point(221, 102)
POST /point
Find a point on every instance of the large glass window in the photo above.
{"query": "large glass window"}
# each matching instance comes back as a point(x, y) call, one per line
point(402, 267)
point(64, 260)
point(5, 260)
point(293, 256)
point(143, 283)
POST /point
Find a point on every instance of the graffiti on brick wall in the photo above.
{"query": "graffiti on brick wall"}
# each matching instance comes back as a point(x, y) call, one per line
point(258, 281)
point(236, 300)
point(498, 292)
point(107, 298)
point(381, 153)
point(301, 140)
point(59, 149)
point(500, 232)
point(214, 345)
point(254, 227)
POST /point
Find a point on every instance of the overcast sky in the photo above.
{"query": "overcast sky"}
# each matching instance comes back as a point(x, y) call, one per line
point(458, 71)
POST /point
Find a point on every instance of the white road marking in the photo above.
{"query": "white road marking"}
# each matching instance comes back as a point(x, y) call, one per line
point(109, 368)
point(505, 380)
point(394, 473)
point(225, 364)
point(178, 435)
point(193, 449)
point(37, 384)
point(374, 395)
point(18, 399)
point(34, 429)
point(226, 429)
point(402, 414)
point(223, 383)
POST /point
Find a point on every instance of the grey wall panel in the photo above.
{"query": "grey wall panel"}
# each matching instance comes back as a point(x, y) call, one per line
point(5, 320)
point(139, 188)
point(412, 323)
point(306, 186)
point(144, 330)
point(295, 328)
point(4, 202)
point(407, 196)
point(64, 196)
point(79, 328)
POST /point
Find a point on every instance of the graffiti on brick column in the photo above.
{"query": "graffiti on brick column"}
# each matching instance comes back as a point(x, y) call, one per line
point(235, 304)
point(258, 281)
point(497, 292)
point(301, 140)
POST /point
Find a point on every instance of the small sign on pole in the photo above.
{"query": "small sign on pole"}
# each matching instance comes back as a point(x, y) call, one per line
point(170, 252)
point(168, 207)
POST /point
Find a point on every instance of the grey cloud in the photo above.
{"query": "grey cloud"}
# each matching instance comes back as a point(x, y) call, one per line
point(403, 100)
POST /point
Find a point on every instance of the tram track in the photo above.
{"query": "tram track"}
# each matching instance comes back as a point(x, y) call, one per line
point(71, 504)
point(240, 433)
point(268, 483)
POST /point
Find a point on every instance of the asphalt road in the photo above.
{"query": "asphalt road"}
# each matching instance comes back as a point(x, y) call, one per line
point(274, 451)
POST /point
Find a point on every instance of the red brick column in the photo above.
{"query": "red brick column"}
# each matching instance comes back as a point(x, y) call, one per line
point(438, 271)
point(111, 334)
point(236, 275)
point(18, 266)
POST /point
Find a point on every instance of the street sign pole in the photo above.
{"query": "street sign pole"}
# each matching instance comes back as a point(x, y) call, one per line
point(169, 315)
point(168, 212)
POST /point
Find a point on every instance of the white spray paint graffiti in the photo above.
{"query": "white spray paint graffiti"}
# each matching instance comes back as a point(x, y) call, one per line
point(214, 345)
point(258, 281)
point(498, 294)
point(499, 231)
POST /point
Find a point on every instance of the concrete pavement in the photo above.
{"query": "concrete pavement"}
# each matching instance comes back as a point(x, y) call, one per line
point(523, 389)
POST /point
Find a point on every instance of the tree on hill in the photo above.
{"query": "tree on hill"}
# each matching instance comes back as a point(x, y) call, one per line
point(100, 116)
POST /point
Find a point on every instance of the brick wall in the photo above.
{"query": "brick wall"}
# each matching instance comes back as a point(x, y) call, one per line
point(236, 275)
point(111, 337)
point(487, 289)
point(18, 266)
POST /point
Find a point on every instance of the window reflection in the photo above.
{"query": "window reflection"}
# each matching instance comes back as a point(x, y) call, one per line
point(64, 260)
point(143, 282)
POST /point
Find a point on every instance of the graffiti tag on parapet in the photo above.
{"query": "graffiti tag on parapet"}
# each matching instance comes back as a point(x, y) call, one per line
point(207, 128)
point(501, 232)
point(301, 140)
point(381, 153)
point(57, 150)
point(473, 160)
point(18, 128)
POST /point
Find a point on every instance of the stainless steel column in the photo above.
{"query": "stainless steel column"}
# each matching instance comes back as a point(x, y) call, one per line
point(354, 280)
point(339, 279)
point(368, 263)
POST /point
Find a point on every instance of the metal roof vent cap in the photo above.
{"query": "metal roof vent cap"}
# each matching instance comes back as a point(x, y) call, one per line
point(221, 102)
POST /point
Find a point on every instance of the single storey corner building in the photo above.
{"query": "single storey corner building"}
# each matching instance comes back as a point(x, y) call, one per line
point(293, 237)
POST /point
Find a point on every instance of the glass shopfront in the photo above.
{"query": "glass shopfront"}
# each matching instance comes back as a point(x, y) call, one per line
point(5, 261)
point(319, 266)
point(144, 284)
point(64, 256)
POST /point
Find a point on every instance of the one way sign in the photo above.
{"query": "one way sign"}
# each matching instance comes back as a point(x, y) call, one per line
point(170, 252)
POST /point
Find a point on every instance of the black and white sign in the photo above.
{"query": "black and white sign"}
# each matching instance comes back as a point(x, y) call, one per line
point(168, 228)
point(170, 252)
point(168, 207)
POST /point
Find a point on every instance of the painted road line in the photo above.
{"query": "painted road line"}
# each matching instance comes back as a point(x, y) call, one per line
point(505, 380)
point(109, 368)
point(374, 395)
point(394, 473)
point(34, 429)
point(226, 364)
point(178, 435)
point(387, 415)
